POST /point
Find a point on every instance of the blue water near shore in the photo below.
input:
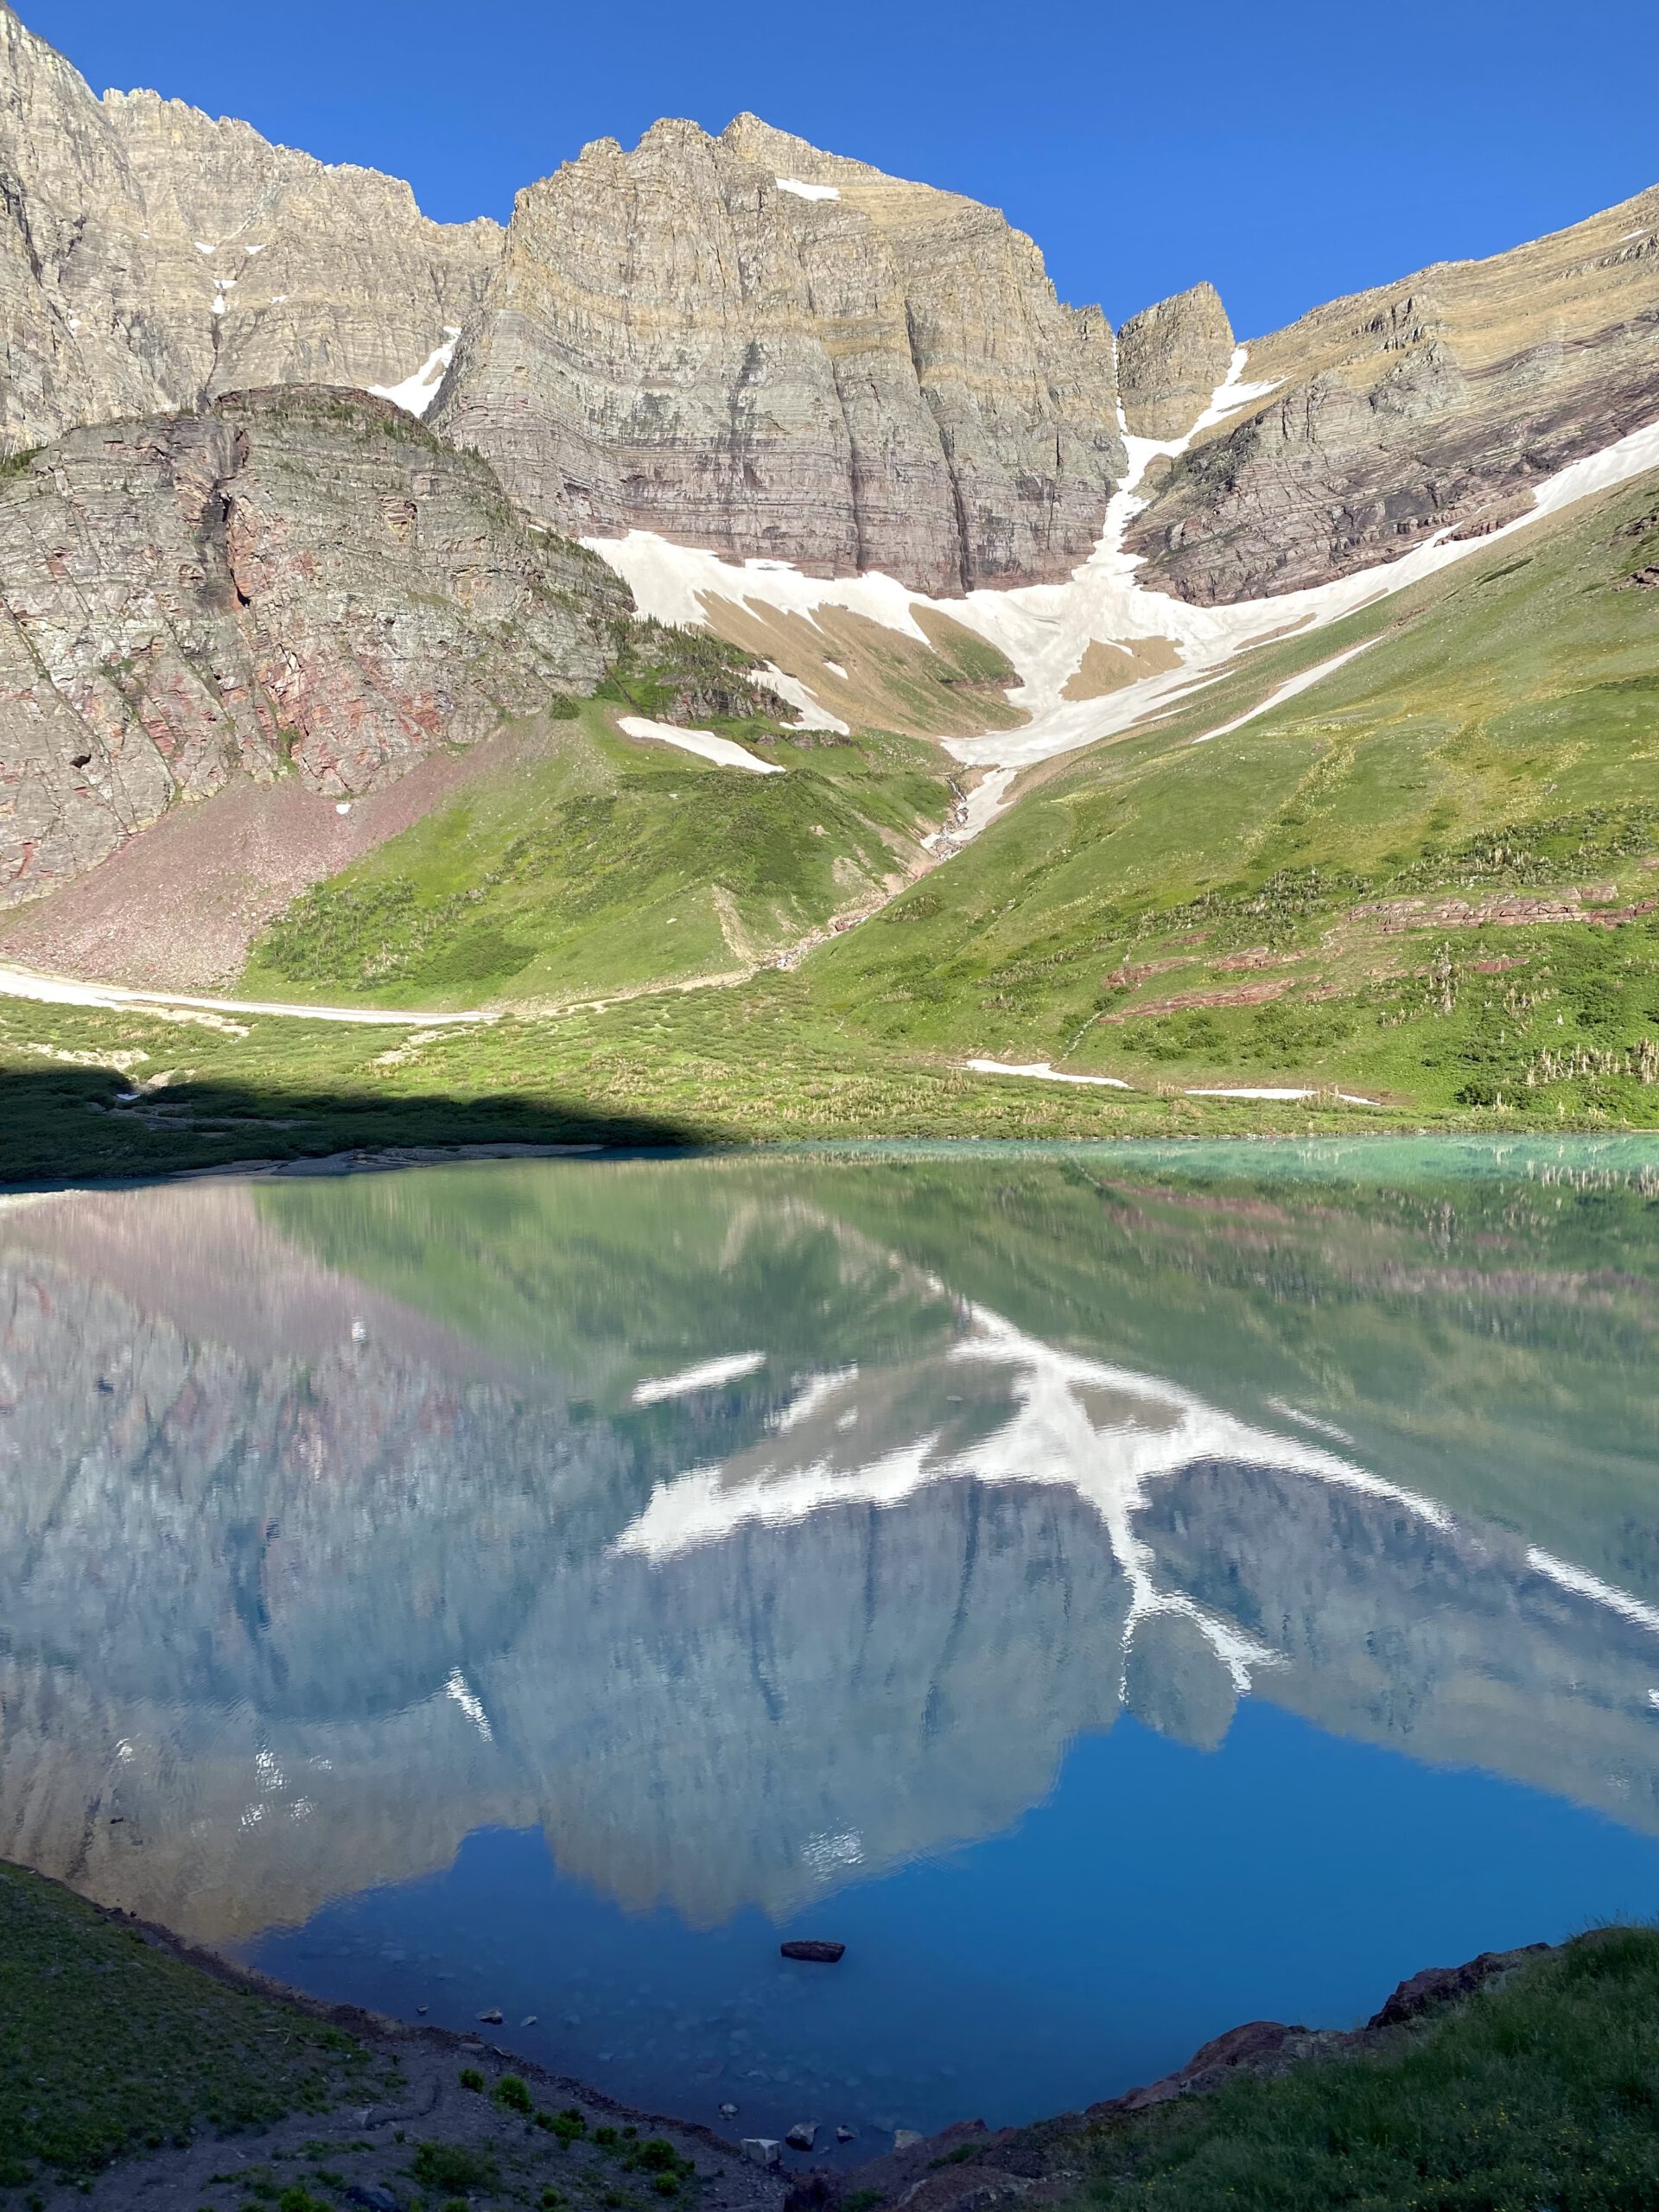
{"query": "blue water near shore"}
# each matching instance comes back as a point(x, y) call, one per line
point(1119, 1591)
point(1161, 1895)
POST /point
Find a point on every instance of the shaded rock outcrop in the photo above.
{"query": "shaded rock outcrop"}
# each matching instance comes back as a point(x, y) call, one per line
point(152, 257)
point(745, 343)
point(1436, 403)
point(969, 2167)
point(1170, 359)
point(291, 579)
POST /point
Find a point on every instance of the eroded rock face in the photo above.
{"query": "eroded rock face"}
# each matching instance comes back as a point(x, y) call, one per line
point(1434, 403)
point(747, 344)
point(152, 257)
point(1170, 359)
point(291, 578)
point(753, 346)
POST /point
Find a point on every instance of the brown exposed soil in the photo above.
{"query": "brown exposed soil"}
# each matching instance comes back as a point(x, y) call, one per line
point(1107, 667)
point(889, 681)
point(179, 906)
point(1502, 910)
point(1184, 1002)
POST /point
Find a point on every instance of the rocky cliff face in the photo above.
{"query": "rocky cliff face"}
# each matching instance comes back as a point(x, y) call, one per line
point(290, 577)
point(1170, 359)
point(1434, 403)
point(151, 257)
point(747, 344)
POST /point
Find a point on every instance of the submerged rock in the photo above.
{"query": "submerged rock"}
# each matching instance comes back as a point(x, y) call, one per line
point(823, 1954)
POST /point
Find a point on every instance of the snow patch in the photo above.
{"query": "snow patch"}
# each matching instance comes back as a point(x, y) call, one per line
point(1044, 1073)
point(791, 689)
point(416, 393)
point(201, 245)
point(62, 990)
point(1107, 1433)
point(459, 1688)
point(814, 1395)
point(1583, 1584)
point(807, 191)
point(1305, 682)
point(1044, 629)
point(988, 798)
point(706, 1374)
point(703, 742)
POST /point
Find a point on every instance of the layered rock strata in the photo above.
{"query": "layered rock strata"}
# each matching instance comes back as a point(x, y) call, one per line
point(1436, 403)
point(747, 344)
point(152, 257)
point(293, 580)
point(1170, 359)
point(751, 345)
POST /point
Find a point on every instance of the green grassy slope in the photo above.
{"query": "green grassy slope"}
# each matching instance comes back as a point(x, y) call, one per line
point(108, 2045)
point(1500, 738)
point(1334, 895)
point(597, 863)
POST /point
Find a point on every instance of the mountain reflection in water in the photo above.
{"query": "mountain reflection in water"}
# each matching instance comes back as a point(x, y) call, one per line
point(758, 1530)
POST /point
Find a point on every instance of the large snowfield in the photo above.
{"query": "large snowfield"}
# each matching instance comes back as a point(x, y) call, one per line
point(1046, 629)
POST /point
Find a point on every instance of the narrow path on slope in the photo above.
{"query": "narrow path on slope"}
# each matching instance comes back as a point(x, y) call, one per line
point(62, 990)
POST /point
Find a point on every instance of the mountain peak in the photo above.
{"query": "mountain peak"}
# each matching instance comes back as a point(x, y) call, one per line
point(785, 154)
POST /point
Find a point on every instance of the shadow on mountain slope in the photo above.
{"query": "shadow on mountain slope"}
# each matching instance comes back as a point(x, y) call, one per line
point(80, 1123)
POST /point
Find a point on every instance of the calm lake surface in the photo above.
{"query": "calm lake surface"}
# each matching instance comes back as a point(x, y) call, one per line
point(1117, 1592)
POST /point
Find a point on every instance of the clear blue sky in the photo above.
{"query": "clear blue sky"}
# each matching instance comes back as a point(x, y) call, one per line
point(1289, 152)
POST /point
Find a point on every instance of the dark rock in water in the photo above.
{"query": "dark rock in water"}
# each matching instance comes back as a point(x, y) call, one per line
point(728, 2112)
point(845, 2134)
point(802, 2135)
point(491, 2018)
point(822, 1955)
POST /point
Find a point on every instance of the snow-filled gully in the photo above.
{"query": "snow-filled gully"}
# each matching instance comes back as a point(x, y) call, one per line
point(1045, 630)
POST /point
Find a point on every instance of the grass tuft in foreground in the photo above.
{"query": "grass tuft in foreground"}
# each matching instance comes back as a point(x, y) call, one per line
point(1542, 2091)
point(109, 2044)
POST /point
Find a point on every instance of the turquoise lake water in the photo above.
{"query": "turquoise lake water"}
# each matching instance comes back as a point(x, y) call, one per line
point(1118, 1592)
